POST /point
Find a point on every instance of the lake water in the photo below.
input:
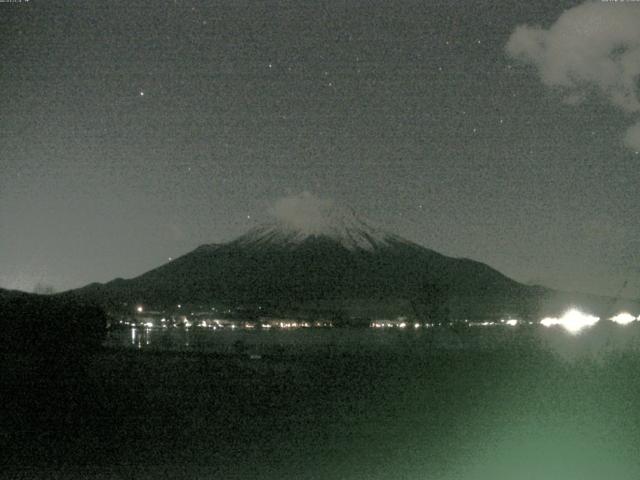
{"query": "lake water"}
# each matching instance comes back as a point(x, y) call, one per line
point(485, 403)
point(602, 338)
point(287, 341)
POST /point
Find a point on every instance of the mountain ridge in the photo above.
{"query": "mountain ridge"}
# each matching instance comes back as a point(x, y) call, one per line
point(334, 259)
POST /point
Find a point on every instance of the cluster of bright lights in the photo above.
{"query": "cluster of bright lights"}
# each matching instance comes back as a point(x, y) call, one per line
point(294, 324)
point(398, 324)
point(216, 324)
point(213, 324)
point(481, 324)
point(381, 325)
point(392, 324)
point(624, 318)
point(573, 321)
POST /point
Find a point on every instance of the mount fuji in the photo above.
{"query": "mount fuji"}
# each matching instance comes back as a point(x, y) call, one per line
point(316, 257)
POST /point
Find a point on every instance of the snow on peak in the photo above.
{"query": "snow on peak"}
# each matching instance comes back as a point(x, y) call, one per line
point(305, 216)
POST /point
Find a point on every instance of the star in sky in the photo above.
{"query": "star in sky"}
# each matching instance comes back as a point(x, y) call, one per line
point(259, 104)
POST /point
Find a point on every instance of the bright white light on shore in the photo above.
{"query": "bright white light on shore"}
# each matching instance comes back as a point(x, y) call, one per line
point(573, 321)
point(549, 322)
point(512, 322)
point(623, 318)
point(140, 309)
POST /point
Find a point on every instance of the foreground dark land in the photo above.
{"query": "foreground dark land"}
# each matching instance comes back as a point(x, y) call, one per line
point(519, 411)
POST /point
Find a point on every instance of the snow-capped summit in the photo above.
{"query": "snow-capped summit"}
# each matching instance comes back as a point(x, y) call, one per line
point(305, 216)
point(320, 260)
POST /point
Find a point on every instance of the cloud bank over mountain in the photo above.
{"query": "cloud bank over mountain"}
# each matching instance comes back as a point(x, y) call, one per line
point(593, 48)
point(305, 212)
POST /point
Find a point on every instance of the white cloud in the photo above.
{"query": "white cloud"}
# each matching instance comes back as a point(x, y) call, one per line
point(594, 47)
point(304, 212)
point(632, 137)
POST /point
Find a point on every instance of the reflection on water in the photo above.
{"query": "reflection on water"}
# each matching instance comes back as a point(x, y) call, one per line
point(603, 337)
point(278, 341)
point(512, 413)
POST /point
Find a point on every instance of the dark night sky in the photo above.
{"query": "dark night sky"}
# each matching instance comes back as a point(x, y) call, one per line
point(132, 132)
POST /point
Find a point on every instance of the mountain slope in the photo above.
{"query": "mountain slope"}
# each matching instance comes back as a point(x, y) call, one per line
point(328, 260)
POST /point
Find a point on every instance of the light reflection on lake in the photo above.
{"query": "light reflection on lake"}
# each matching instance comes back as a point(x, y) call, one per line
point(599, 339)
point(279, 341)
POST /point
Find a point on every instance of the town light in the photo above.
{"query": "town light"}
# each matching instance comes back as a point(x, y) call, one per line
point(573, 321)
point(623, 318)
